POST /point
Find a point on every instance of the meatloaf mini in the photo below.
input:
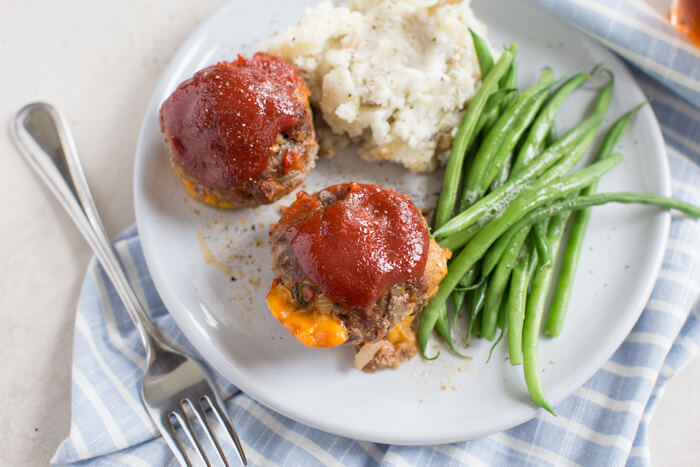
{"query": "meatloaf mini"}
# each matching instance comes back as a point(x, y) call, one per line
point(354, 263)
point(240, 133)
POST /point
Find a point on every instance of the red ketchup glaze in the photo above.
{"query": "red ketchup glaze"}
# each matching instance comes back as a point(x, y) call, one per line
point(223, 121)
point(361, 245)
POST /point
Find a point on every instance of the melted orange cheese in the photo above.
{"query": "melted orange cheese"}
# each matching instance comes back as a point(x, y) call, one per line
point(310, 327)
point(402, 332)
point(209, 198)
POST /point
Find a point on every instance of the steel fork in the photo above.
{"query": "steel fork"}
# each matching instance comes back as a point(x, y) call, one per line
point(176, 390)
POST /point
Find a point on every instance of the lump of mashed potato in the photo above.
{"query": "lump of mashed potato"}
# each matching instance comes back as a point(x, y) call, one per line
point(394, 75)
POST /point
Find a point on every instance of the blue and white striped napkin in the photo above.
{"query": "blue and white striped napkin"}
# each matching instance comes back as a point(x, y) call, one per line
point(635, 31)
point(603, 423)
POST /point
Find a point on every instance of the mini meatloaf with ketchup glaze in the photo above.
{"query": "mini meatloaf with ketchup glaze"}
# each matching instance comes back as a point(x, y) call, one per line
point(353, 263)
point(240, 133)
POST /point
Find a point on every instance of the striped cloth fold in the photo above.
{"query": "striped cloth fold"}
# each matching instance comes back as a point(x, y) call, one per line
point(639, 34)
point(603, 423)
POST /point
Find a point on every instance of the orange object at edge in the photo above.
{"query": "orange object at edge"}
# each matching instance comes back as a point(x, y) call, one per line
point(685, 15)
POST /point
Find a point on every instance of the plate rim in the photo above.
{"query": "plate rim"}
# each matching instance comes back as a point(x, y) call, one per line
point(191, 328)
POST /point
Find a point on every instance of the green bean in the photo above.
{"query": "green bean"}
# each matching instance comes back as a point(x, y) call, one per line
point(502, 319)
point(615, 133)
point(425, 328)
point(541, 127)
point(511, 139)
point(476, 327)
point(497, 341)
point(512, 106)
point(457, 301)
point(462, 140)
point(492, 110)
point(442, 326)
point(502, 130)
point(551, 136)
point(458, 296)
point(499, 97)
point(486, 122)
point(510, 79)
point(563, 166)
point(507, 102)
point(469, 278)
point(498, 284)
point(483, 54)
point(512, 188)
point(522, 205)
point(504, 172)
point(466, 283)
point(599, 110)
point(461, 238)
point(576, 203)
point(471, 287)
point(503, 324)
point(520, 178)
point(516, 302)
point(448, 195)
point(476, 304)
point(494, 255)
point(539, 237)
point(562, 294)
point(535, 309)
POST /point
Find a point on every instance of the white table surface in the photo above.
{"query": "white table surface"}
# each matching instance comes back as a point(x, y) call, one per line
point(98, 62)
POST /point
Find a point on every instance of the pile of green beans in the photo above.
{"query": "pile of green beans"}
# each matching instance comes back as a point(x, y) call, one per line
point(508, 195)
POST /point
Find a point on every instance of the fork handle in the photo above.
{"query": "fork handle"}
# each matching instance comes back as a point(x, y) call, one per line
point(42, 135)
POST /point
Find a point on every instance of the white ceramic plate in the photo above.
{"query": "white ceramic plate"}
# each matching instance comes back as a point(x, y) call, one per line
point(443, 401)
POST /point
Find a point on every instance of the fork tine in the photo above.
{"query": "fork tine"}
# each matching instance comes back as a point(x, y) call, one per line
point(187, 428)
point(201, 414)
point(167, 430)
point(222, 416)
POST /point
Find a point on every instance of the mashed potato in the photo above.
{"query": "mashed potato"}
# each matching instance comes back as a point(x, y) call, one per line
point(393, 75)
